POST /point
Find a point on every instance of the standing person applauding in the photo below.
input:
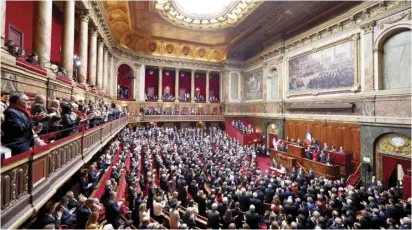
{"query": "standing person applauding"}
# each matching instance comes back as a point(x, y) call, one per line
point(18, 124)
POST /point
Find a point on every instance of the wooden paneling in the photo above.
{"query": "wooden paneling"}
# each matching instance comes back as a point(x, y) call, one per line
point(38, 170)
point(338, 134)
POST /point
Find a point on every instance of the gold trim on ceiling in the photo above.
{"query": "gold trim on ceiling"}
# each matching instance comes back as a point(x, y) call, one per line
point(230, 16)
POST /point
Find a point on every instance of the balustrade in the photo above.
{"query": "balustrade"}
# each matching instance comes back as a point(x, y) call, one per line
point(31, 178)
point(184, 118)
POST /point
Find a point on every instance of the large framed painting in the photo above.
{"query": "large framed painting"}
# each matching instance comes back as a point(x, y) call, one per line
point(328, 69)
point(253, 85)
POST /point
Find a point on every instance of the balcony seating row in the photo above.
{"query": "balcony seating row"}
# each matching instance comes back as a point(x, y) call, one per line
point(29, 179)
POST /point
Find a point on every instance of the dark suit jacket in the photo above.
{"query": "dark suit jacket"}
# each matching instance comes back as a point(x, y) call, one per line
point(240, 216)
point(44, 220)
point(244, 202)
point(202, 207)
point(213, 220)
point(252, 219)
point(82, 216)
point(113, 213)
point(17, 129)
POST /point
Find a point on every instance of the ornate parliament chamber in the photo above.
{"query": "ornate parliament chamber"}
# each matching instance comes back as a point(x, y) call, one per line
point(263, 114)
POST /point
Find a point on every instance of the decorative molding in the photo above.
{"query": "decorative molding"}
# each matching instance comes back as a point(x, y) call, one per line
point(395, 19)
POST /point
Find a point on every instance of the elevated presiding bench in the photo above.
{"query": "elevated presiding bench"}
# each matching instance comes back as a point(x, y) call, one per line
point(320, 169)
point(30, 179)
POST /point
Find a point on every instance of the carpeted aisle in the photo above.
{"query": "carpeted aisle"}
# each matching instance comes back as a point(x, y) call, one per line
point(263, 162)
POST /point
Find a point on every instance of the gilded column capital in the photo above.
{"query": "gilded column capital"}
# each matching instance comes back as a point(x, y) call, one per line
point(100, 42)
point(84, 15)
point(93, 30)
point(193, 71)
point(137, 65)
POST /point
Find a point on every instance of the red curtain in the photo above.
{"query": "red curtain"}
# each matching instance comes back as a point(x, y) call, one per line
point(168, 80)
point(184, 82)
point(405, 165)
point(200, 83)
point(214, 85)
point(124, 81)
point(152, 80)
point(388, 165)
point(271, 137)
point(57, 31)
point(20, 14)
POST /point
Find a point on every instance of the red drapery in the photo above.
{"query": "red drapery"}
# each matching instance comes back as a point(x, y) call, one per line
point(271, 137)
point(184, 82)
point(152, 81)
point(388, 167)
point(200, 83)
point(124, 80)
point(168, 80)
point(405, 165)
point(214, 86)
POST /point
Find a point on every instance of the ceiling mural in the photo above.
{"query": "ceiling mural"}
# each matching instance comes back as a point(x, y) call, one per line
point(213, 31)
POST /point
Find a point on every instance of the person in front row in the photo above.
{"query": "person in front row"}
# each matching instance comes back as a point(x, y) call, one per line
point(341, 150)
point(315, 156)
point(283, 147)
point(333, 148)
point(325, 147)
point(299, 142)
point(329, 159)
point(322, 157)
point(308, 154)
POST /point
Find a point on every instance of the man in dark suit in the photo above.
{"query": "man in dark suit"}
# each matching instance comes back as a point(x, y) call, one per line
point(238, 215)
point(38, 108)
point(18, 123)
point(93, 175)
point(164, 184)
point(46, 218)
point(83, 212)
point(252, 218)
point(269, 193)
point(244, 200)
point(222, 207)
point(213, 218)
point(107, 191)
point(113, 211)
point(257, 203)
point(201, 203)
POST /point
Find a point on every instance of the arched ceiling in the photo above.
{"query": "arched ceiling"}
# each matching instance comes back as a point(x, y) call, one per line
point(237, 30)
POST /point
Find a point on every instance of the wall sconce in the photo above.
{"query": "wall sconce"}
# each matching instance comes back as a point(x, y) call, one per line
point(197, 89)
point(167, 73)
point(182, 74)
point(151, 72)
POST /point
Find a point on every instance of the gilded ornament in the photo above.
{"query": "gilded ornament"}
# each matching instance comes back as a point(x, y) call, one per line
point(186, 50)
point(201, 52)
point(169, 48)
point(152, 46)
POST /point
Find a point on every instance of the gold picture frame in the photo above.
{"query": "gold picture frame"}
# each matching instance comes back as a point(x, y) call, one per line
point(356, 85)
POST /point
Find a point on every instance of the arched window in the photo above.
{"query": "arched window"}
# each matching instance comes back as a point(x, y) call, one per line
point(396, 61)
point(273, 84)
point(124, 82)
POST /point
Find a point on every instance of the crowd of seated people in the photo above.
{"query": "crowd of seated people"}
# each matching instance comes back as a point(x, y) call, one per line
point(245, 129)
point(213, 99)
point(168, 97)
point(199, 97)
point(185, 97)
point(150, 97)
point(161, 111)
point(213, 176)
point(22, 124)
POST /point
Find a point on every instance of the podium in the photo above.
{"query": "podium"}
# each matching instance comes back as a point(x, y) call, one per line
point(296, 151)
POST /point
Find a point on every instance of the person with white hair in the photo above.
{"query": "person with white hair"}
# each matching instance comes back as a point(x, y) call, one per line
point(256, 203)
point(252, 218)
point(213, 217)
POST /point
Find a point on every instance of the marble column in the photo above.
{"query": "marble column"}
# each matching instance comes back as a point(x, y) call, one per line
point(192, 86)
point(92, 56)
point(84, 28)
point(68, 37)
point(99, 77)
point(177, 85)
point(109, 74)
point(368, 55)
point(2, 22)
point(160, 93)
point(221, 96)
point(207, 86)
point(136, 83)
point(42, 31)
point(105, 68)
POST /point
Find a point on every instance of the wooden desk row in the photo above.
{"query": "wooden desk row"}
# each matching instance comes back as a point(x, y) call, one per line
point(320, 169)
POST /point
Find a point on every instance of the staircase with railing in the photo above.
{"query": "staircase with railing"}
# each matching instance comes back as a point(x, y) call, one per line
point(354, 178)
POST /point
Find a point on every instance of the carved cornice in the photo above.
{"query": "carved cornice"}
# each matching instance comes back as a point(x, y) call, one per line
point(363, 16)
point(367, 27)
